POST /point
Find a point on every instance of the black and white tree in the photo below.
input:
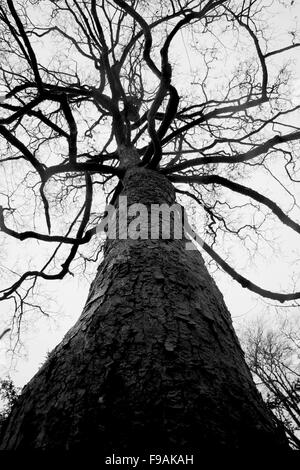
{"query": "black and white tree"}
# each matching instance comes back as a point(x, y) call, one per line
point(98, 99)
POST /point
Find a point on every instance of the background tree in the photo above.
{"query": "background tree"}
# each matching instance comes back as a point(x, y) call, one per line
point(96, 100)
point(273, 357)
point(8, 397)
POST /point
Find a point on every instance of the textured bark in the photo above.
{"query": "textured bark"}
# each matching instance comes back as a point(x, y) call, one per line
point(153, 361)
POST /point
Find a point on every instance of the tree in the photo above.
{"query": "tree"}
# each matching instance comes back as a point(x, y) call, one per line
point(273, 357)
point(96, 99)
point(9, 395)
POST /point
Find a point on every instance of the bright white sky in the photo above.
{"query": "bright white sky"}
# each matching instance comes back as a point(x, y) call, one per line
point(42, 334)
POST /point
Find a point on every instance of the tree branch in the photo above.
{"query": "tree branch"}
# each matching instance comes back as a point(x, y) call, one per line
point(255, 152)
point(244, 282)
point(239, 188)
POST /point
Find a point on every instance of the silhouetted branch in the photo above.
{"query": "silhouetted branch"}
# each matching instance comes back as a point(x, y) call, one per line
point(243, 281)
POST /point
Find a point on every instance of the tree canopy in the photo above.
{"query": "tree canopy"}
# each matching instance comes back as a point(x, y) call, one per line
point(203, 90)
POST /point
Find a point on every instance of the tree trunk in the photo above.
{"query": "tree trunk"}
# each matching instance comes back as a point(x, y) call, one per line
point(153, 361)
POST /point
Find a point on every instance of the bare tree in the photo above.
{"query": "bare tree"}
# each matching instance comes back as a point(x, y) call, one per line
point(8, 395)
point(97, 100)
point(273, 357)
